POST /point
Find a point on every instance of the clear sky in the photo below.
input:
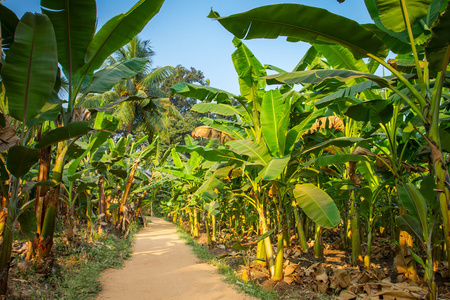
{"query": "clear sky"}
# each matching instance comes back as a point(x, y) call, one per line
point(181, 34)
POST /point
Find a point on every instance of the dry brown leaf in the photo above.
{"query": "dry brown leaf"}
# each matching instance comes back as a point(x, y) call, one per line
point(211, 133)
point(8, 137)
point(346, 295)
point(321, 123)
point(289, 269)
point(289, 279)
point(81, 114)
point(395, 295)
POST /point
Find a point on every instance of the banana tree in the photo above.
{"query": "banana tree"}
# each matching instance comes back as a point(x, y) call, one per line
point(397, 23)
point(258, 144)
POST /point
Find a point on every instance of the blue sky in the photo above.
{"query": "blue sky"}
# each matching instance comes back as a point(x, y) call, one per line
point(181, 34)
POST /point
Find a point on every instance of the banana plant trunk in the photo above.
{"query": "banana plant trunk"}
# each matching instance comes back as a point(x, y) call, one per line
point(355, 232)
point(101, 197)
point(48, 212)
point(126, 194)
point(8, 237)
point(267, 242)
point(299, 227)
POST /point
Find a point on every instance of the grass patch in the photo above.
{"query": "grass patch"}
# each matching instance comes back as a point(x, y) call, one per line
point(249, 288)
point(76, 270)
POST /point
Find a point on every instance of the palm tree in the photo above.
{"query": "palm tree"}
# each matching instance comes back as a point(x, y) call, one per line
point(152, 115)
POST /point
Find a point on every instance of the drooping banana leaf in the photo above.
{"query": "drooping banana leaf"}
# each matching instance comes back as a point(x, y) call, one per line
point(210, 154)
point(106, 78)
point(74, 129)
point(218, 108)
point(326, 160)
point(346, 92)
point(317, 76)
point(257, 153)
point(20, 159)
point(49, 112)
point(317, 205)
point(202, 93)
point(300, 23)
point(340, 142)
point(376, 111)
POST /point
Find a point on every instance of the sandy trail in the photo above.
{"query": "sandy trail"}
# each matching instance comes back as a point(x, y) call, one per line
point(163, 267)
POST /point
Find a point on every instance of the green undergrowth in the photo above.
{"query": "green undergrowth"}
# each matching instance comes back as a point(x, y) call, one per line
point(249, 288)
point(77, 268)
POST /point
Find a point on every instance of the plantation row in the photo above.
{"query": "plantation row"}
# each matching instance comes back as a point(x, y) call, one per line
point(332, 150)
point(350, 150)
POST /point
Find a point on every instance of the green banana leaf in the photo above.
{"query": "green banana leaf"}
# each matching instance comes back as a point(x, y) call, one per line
point(346, 92)
point(206, 190)
point(202, 93)
point(28, 224)
point(339, 142)
point(420, 204)
point(411, 225)
point(176, 159)
point(391, 13)
point(326, 160)
point(300, 23)
point(249, 71)
point(74, 129)
point(306, 60)
point(49, 112)
point(8, 25)
point(275, 121)
point(233, 129)
point(4, 175)
point(317, 76)
point(317, 205)
point(216, 155)
point(376, 111)
point(20, 159)
point(438, 47)
point(218, 108)
point(340, 57)
point(106, 78)
point(74, 22)
point(417, 30)
point(393, 44)
point(111, 105)
point(274, 168)
point(118, 31)
point(296, 132)
point(30, 68)
point(256, 152)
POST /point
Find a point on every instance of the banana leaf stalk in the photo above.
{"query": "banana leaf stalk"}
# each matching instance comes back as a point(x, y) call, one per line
point(299, 228)
point(354, 231)
point(318, 249)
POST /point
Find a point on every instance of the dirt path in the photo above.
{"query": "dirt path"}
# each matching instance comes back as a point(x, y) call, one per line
point(163, 267)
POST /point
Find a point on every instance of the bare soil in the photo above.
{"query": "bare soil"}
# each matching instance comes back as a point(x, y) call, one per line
point(163, 267)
